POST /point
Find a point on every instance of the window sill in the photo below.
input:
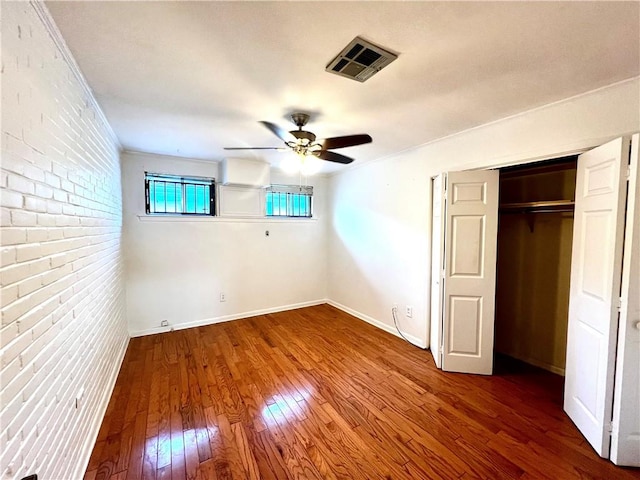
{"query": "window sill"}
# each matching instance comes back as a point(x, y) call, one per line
point(207, 218)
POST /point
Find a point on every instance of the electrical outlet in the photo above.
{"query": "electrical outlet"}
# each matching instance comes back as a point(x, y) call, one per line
point(164, 323)
point(223, 297)
point(409, 311)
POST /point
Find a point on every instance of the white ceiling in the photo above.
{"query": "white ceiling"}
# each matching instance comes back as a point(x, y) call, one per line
point(189, 78)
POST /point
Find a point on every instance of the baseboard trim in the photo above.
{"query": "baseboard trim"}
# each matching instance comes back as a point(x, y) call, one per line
point(225, 318)
point(536, 363)
point(283, 308)
point(102, 410)
point(377, 323)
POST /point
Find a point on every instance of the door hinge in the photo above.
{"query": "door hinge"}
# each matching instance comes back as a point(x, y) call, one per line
point(619, 305)
point(609, 428)
point(628, 172)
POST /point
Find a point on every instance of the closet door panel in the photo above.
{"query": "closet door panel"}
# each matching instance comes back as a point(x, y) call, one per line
point(437, 247)
point(471, 225)
point(625, 441)
point(596, 266)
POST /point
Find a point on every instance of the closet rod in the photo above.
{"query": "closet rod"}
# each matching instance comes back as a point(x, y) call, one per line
point(529, 208)
point(538, 207)
point(537, 210)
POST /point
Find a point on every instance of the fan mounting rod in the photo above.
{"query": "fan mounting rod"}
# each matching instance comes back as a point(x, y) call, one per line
point(304, 138)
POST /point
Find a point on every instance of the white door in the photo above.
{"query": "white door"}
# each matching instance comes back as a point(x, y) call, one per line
point(625, 438)
point(437, 246)
point(596, 264)
point(471, 230)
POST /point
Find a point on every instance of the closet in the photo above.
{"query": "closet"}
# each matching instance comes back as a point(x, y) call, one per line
point(535, 232)
point(556, 285)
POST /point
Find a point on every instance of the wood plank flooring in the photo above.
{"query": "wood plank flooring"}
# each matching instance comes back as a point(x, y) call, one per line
point(317, 394)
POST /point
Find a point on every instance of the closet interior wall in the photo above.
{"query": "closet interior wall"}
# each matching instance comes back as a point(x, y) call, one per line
point(534, 262)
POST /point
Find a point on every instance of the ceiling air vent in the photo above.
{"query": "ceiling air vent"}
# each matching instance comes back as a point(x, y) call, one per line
point(360, 60)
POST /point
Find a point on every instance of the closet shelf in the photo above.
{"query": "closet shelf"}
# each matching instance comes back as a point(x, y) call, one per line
point(539, 207)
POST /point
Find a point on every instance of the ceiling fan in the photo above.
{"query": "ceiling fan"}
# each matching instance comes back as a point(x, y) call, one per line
point(304, 143)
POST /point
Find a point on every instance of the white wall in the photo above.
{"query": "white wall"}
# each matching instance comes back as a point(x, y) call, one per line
point(378, 244)
point(63, 326)
point(176, 268)
point(378, 237)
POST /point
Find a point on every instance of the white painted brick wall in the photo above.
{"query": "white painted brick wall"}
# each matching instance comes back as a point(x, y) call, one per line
point(62, 325)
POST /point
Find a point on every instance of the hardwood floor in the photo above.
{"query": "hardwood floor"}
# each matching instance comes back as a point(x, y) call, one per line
point(315, 393)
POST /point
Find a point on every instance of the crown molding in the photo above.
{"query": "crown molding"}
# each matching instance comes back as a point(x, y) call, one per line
point(51, 27)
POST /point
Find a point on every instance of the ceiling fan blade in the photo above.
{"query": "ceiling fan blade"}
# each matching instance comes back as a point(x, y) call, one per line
point(346, 141)
point(279, 132)
point(253, 148)
point(333, 157)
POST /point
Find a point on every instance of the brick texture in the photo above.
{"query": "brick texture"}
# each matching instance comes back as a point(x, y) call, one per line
point(62, 325)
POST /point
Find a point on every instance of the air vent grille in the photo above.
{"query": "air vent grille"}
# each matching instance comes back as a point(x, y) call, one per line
point(360, 60)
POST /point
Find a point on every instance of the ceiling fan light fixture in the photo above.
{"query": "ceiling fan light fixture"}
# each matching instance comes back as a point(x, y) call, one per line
point(303, 135)
point(303, 143)
point(290, 163)
point(304, 163)
point(309, 165)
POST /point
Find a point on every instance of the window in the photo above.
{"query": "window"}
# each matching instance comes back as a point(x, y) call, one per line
point(288, 201)
point(171, 194)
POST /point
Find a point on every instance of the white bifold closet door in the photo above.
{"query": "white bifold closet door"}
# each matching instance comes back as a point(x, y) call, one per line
point(469, 276)
point(625, 439)
point(437, 252)
point(604, 303)
point(594, 295)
